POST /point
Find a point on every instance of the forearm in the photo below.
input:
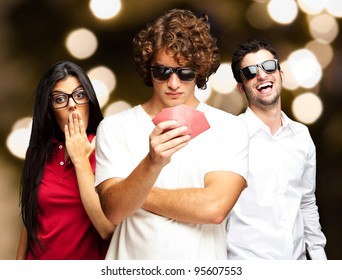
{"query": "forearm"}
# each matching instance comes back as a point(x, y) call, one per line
point(208, 205)
point(120, 198)
point(190, 205)
point(317, 254)
point(314, 238)
point(22, 248)
point(90, 199)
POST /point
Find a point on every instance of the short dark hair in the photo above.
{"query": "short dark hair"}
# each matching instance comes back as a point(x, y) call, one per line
point(251, 46)
point(184, 36)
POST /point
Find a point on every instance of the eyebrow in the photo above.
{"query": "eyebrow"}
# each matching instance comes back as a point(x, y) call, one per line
point(80, 87)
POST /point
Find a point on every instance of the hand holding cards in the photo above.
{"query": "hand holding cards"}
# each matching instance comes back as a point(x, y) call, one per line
point(184, 115)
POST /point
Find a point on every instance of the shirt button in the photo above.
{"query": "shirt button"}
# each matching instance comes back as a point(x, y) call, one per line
point(60, 147)
point(61, 163)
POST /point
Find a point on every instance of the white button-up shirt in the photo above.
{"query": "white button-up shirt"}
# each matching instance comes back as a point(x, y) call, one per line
point(276, 216)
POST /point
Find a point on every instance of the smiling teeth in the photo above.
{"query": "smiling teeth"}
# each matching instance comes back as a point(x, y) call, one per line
point(264, 85)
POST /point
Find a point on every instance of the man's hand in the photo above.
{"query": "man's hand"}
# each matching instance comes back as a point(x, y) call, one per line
point(164, 145)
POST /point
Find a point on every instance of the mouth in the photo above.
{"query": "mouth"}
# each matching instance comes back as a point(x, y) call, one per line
point(173, 94)
point(73, 113)
point(265, 87)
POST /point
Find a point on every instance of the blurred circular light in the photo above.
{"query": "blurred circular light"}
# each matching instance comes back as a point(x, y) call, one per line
point(81, 43)
point(104, 82)
point(334, 7)
point(104, 74)
point(289, 81)
point(105, 9)
point(101, 91)
point(19, 138)
point(223, 80)
point(312, 7)
point(283, 11)
point(307, 108)
point(305, 68)
point(17, 142)
point(116, 107)
point(203, 94)
point(258, 17)
point(323, 52)
point(323, 28)
point(23, 123)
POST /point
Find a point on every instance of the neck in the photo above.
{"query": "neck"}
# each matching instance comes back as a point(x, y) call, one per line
point(271, 117)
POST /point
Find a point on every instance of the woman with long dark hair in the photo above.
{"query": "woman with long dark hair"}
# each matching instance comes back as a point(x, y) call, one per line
point(61, 211)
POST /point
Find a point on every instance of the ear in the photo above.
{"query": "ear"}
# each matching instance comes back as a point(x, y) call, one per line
point(241, 88)
point(282, 76)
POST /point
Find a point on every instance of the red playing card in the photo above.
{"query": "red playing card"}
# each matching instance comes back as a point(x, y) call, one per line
point(184, 115)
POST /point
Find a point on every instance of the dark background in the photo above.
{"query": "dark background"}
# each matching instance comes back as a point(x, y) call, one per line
point(32, 35)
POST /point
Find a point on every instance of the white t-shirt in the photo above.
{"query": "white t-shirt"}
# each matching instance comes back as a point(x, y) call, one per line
point(276, 217)
point(123, 141)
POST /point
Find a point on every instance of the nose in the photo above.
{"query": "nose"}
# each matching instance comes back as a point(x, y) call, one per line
point(260, 72)
point(71, 103)
point(173, 82)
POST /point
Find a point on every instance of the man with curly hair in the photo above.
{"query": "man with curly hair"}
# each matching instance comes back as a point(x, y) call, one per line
point(170, 196)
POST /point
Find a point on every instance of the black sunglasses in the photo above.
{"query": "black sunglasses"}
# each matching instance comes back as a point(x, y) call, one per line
point(162, 73)
point(269, 66)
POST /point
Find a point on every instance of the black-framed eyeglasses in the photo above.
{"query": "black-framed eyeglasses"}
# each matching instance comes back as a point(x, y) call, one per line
point(268, 66)
point(163, 73)
point(60, 99)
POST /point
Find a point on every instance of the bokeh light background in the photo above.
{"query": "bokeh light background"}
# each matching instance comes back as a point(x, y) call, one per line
point(97, 34)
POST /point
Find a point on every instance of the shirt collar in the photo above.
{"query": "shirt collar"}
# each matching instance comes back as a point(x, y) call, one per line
point(254, 124)
point(287, 122)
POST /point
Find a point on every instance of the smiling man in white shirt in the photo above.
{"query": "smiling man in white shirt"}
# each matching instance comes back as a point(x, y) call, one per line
point(276, 216)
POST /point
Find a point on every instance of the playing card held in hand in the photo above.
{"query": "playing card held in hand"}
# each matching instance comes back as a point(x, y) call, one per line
point(184, 115)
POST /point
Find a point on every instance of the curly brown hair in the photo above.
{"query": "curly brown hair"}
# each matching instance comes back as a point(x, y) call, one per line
point(182, 35)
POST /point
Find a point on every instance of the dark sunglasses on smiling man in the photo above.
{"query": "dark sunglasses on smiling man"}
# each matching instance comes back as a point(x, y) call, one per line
point(268, 66)
point(163, 73)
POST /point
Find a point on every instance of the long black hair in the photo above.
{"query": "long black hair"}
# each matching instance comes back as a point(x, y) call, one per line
point(44, 131)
